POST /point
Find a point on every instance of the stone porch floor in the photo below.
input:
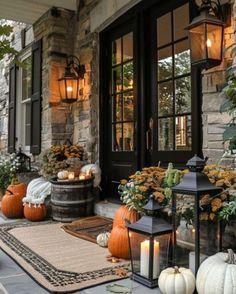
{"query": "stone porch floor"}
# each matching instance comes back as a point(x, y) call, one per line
point(17, 281)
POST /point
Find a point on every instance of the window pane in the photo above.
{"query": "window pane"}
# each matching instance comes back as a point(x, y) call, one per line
point(116, 52)
point(183, 133)
point(164, 30)
point(165, 101)
point(117, 108)
point(26, 79)
point(116, 79)
point(128, 76)
point(165, 131)
point(27, 123)
point(183, 95)
point(165, 63)
point(213, 41)
point(128, 47)
point(117, 137)
point(128, 103)
point(128, 141)
point(181, 20)
point(182, 58)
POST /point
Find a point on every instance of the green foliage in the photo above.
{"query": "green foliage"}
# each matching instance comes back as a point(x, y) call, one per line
point(228, 212)
point(229, 105)
point(5, 42)
point(5, 174)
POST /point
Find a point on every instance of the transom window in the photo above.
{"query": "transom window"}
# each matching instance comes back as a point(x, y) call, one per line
point(122, 94)
point(174, 81)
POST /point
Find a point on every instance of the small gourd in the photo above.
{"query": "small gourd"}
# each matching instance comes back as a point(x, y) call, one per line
point(102, 239)
point(174, 280)
point(62, 175)
point(217, 274)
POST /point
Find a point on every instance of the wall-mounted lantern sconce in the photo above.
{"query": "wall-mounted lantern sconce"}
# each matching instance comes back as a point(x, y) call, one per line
point(69, 82)
point(206, 33)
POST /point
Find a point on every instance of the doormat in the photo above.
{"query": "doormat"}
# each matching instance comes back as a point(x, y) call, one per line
point(89, 228)
point(58, 261)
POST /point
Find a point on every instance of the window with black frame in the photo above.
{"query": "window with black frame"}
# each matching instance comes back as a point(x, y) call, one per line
point(174, 81)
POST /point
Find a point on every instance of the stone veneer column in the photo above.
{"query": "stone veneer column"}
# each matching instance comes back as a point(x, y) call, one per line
point(86, 111)
point(213, 121)
point(56, 28)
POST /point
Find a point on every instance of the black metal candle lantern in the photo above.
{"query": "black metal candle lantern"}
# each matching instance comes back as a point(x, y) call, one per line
point(69, 82)
point(206, 35)
point(149, 240)
point(23, 160)
point(193, 186)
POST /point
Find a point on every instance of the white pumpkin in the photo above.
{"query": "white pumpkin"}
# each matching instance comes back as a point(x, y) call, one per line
point(102, 239)
point(217, 274)
point(62, 175)
point(174, 280)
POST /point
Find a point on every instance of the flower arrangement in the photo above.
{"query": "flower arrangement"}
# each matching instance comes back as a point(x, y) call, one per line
point(5, 174)
point(60, 157)
point(134, 193)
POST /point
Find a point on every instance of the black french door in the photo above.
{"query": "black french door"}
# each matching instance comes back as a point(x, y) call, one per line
point(173, 121)
point(150, 102)
point(119, 107)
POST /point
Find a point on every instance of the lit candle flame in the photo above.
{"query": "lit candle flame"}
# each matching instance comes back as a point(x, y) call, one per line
point(209, 43)
point(69, 89)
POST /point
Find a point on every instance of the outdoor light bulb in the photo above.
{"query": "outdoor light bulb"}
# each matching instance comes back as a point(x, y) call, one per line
point(69, 89)
point(209, 43)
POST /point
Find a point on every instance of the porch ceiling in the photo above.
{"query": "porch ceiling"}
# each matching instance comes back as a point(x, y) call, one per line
point(28, 11)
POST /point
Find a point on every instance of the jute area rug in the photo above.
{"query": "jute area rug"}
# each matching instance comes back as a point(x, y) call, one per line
point(59, 262)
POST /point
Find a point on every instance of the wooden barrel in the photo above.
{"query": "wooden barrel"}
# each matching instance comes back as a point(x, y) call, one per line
point(71, 200)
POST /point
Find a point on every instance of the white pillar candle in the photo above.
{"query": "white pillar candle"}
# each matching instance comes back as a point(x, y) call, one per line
point(144, 259)
point(156, 260)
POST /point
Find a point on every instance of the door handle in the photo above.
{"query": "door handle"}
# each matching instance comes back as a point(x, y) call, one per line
point(148, 144)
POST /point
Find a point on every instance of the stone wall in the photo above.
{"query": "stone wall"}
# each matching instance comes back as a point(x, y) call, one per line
point(213, 121)
point(15, 37)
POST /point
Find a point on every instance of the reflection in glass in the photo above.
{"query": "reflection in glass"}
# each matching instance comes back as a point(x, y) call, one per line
point(116, 79)
point(165, 63)
point(165, 131)
point(183, 139)
point(164, 30)
point(183, 95)
point(117, 137)
point(214, 35)
point(117, 108)
point(197, 37)
point(128, 76)
point(26, 79)
point(181, 20)
point(182, 58)
point(128, 133)
point(165, 101)
point(128, 47)
point(116, 52)
point(128, 102)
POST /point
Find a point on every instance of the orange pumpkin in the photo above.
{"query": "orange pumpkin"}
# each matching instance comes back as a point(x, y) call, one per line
point(124, 213)
point(118, 243)
point(12, 206)
point(33, 213)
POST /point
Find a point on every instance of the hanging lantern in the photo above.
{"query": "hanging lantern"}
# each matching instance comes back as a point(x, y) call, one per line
point(149, 240)
point(204, 236)
point(69, 82)
point(206, 36)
